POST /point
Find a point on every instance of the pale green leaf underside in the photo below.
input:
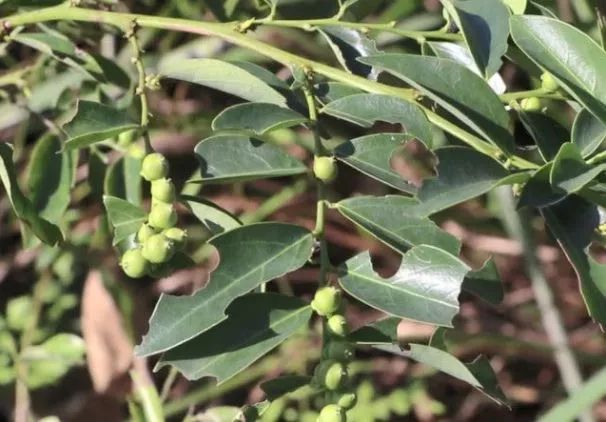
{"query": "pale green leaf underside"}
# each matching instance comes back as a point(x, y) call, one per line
point(215, 219)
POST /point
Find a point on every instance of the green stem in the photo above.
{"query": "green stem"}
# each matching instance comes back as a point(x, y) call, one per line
point(539, 92)
point(149, 399)
point(275, 202)
point(226, 31)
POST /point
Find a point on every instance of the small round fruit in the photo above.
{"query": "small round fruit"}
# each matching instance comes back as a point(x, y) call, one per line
point(341, 351)
point(548, 82)
point(133, 263)
point(337, 326)
point(325, 169)
point(145, 232)
point(335, 376)
point(163, 190)
point(127, 138)
point(158, 249)
point(332, 413)
point(154, 167)
point(136, 151)
point(347, 400)
point(531, 104)
point(162, 215)
point(177, 235)
point(326, 301)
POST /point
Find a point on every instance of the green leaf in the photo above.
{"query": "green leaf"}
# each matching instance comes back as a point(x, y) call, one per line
point(383, 331)
point(395, 221)
point(538, 191)
point(223, 76)
point(372, 154)
point(455, 88)
point(259, 118)
point(236, 158)
point(570, 172)
point(51, 177)
point(485, 283)
point(348, 44)
point(249, 256)
point(518, 7)
point(278, 387)
point(575, 60)
point(214, 218)
point(425, 288)
point(548, 134)
point(572, 222)
point(485, 28)
point(95, 122)
point(332, 91)
point(479, 374)
point(463, 174)
point(254, 325)
point(25, 211)
point(366, 109)
point(125, 218)
point(123, 179)
point(588, 132)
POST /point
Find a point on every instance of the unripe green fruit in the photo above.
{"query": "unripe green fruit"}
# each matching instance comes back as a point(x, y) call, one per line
point(163, 190)
point(136, 151)
point(145, 232)
point(548, 82)
point(347, 400)
point(325, 169)
point(127, 138)
point(158, 249)
point(133, 263)
point(331, 374)
point(341, 351)
point(337, 326)
point(154, 167)
point(162, 215)
point(177, 235)
point(531, 104)
point(326, 301)
point(332, 413)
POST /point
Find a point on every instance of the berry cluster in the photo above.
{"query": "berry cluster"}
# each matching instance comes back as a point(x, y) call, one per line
point(331, 373)
point(157, 240)
point(549, 85)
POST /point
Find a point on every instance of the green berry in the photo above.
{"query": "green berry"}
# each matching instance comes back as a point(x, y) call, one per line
point(154, 167)
point(337, 326)
point(326, 301)
point(548, 82)
point(347, 400)
point(158, 249)
point(341, 351)
point(177, 235)
point(163, 190)
point(332, 413)
point(145, 232)
point(531, 104)
point(133, 263)
point(162, 215)
point(331, 374)
point(127, 138)
point(325, 169)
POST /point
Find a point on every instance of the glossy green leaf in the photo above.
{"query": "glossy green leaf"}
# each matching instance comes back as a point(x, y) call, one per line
point(366, 109)
point(348, 44)
point(249, 255)
point(485, 283)
point(455, 88)
point(570, 172)
point(371, 155)
point(575, 60)
point(51, 175)
point(425, 288)
point(572, 222)
point(223, 76)
point(24, 209)
point(548, 134)
point(95, 122)
point(278, 387)
point(236, 158)
point(254, 325)
point(125, 218)
point(479, 374)
point(463, 174)
point(538, 191)
point(214, 218)
point(395, 221)
point(383, 331)
point(258, 118)
point(485, 29)
point(588, 132)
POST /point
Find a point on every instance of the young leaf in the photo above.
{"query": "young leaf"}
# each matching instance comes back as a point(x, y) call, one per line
point(249, 255)
point(454, 87)
point(548, 134)
point(232, 157)
point(485, 28)
point(570, 172)
point(349, 44)
point(95, 122)
point(538, 191)
point(394, 221)
point(572, 57)
point(366, 109)
point(425, 288)
point(371, 155)
point(278, 387)
point(485, 283)
point(223, 76)
point(254, 325)
point(215, 219)
point(25, 211)
point(259, 118)
point(588, 132)
point(125, 218)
